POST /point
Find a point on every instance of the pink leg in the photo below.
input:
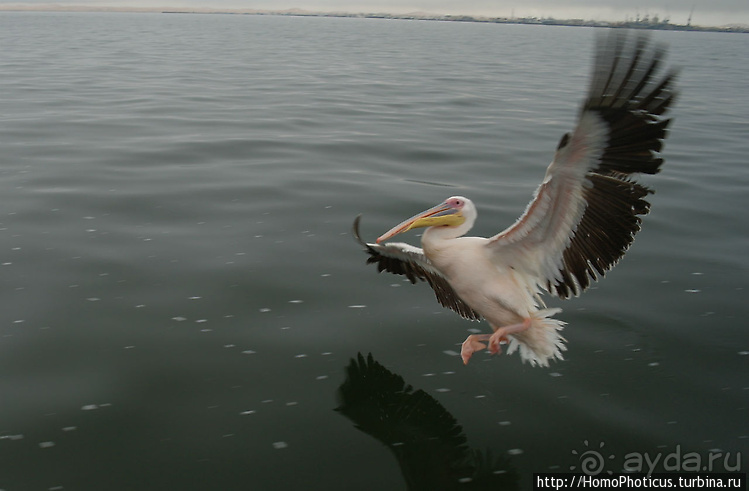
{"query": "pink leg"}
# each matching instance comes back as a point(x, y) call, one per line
point(472, 344)
point(502, 333)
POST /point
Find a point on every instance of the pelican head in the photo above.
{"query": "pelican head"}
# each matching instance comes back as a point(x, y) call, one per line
point(455, 212)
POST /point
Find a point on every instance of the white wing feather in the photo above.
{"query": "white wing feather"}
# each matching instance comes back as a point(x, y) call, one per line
point(584, 215)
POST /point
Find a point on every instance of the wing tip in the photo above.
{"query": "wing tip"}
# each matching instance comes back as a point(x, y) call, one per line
point(409, 266)
point(357, 236)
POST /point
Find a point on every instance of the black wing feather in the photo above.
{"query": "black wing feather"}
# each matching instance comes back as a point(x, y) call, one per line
point(626, 95)
point(413, 264)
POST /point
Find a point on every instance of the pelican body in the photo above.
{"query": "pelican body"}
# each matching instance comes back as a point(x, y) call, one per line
point(580, 222)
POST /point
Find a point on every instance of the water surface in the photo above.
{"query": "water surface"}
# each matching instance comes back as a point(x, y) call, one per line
point(181, 296)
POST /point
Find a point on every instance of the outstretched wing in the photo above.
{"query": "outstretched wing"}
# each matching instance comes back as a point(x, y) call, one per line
point(410, 261)
point(585, 214)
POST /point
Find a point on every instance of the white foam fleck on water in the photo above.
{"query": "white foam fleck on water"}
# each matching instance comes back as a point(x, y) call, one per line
point(46, 444)
point(515, 451)
point(357, 306)
point(12, 437)
point(693, 291)
point(248, 352)
point(247, 413)
point(89, 407)
point(450, 352)
point(321, 377)
point(442, 389)
point(300, 355)
point(179, 318)
point(263, 310)
point(296, 301)
point(280, 445)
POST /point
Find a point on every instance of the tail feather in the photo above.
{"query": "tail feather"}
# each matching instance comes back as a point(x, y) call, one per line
point(542, 341)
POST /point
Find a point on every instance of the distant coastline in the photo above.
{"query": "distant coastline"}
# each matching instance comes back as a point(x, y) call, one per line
point(653, 23)
point(646, 23)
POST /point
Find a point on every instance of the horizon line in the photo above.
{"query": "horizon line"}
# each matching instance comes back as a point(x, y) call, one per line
point(417, 15)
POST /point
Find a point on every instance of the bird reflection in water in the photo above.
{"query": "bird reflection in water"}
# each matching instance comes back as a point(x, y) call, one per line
point(427, 441)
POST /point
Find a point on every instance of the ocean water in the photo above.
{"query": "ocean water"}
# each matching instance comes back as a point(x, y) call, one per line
point(181, 298)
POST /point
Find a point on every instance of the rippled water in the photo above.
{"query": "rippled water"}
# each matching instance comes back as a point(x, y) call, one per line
point(181, 297)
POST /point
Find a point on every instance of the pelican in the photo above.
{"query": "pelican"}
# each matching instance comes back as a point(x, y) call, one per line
point(581, 220)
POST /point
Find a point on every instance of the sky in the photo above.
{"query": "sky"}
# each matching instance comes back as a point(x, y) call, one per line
point(703, 12)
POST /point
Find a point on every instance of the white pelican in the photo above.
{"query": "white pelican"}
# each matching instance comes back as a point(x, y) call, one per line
point(580, 222)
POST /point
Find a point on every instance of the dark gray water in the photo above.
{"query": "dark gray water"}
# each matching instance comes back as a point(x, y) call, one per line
point(181, 296)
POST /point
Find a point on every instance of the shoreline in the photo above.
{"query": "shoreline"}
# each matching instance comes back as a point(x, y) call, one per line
point(660, 26)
